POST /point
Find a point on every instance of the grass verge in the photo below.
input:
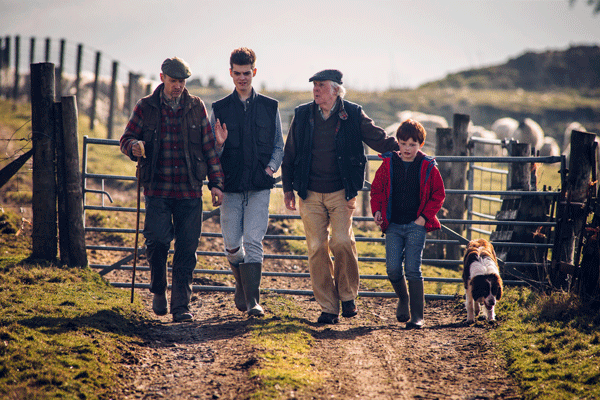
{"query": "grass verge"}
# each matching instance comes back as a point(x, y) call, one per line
point(551, 344)
point(64, 333)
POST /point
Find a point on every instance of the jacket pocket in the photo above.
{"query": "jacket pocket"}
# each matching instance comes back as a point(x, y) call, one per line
point(262, 180)
point(264, 137)
point(143, 173)
point(199, 166)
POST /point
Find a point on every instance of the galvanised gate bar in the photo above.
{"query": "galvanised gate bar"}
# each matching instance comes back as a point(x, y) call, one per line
point(453, 237)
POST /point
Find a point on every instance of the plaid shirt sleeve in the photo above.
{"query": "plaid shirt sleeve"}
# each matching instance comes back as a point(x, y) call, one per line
point(133, 132)
point(216, 177)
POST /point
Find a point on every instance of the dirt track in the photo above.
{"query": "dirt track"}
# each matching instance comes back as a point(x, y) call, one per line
point(370, 356)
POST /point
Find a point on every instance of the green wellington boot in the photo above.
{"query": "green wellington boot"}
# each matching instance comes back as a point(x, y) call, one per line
point(402, 311)
point(239, 298)
point(251, 274)
point(417, 303)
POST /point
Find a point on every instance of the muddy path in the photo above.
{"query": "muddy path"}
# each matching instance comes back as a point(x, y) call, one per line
point(370, 356)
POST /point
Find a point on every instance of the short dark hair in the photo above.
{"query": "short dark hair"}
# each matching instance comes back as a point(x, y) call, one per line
point(411, 129)
point(242, 56)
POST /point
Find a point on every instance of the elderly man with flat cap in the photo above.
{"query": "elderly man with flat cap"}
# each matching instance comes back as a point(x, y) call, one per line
point(170, 136)
point(324, 161)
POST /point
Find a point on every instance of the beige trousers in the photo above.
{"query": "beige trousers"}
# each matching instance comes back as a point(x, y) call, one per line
point(337, 280)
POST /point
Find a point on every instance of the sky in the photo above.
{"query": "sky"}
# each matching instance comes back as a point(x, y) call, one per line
point(377, 44)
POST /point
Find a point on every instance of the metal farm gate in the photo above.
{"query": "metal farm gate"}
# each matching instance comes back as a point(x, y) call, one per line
point(481, 203)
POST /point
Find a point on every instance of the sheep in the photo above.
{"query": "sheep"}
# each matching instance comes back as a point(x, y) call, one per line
point(549, 147)
point(530, 132)
point(505, 127)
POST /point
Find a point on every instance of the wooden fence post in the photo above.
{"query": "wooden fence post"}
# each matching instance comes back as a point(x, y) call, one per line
point(443, 147)
point(32, 50)
point(455, 176)
point(47, 50)
point(519, 174)
point(78, 71)
point(95, 92)
point(7, 60)
point(111, 104)
point(76, 254)
point(44, 183)
point(63, 227)
point(61, 68)
point(31, 61)
point(571, 213)
point(15, 95)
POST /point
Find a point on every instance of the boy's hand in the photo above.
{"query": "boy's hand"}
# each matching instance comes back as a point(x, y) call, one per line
point(420, 221)
point(377, 217)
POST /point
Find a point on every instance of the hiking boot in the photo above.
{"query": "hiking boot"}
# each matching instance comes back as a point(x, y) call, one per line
point(349, 309)
point(183, 317)
point(327, 318)
point(159, 304)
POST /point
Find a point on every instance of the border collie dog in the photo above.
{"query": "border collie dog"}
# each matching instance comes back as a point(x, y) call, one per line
point(483, 285)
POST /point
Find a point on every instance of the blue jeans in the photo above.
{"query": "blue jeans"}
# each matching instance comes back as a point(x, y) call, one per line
point(168, 219)
point(404, 244)
point(244, 221)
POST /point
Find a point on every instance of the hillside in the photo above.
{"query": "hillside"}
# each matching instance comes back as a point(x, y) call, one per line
point(554, 88)
point(577, 67)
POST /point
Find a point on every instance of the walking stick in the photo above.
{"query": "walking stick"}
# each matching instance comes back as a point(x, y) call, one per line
point(137, 221)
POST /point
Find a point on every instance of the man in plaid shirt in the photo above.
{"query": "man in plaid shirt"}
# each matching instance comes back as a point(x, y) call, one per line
point(169, 134)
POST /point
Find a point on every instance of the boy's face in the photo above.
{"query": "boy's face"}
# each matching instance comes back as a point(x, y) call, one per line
point(242, 77)
point(409, 149)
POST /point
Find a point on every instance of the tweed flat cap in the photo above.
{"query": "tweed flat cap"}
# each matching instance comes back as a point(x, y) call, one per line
point(176, 68)
point(328, 75)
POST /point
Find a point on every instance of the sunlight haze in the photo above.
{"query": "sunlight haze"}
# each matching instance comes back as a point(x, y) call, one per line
point(376, 44)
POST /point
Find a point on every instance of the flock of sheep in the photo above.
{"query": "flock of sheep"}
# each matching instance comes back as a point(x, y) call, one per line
point(525, 131)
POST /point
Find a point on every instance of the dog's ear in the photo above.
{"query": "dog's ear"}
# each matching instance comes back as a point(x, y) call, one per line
point(494, 252)
point(498, 288)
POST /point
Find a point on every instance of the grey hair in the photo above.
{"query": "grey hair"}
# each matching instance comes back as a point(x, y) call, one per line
point(340, 89)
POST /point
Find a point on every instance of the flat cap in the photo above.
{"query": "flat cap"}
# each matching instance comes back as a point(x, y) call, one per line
point(176, 68)
point(328, 75)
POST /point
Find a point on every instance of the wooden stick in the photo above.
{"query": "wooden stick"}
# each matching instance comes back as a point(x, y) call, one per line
point(137, 229)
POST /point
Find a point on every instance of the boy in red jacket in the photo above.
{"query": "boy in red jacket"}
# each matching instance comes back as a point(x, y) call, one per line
point(406, 195)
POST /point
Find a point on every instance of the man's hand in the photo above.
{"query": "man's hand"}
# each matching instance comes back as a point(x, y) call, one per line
point(269, 171)
point(220, 133)
point(377, 217)
point(137, 149)
point(217, 196)
point(290, 200)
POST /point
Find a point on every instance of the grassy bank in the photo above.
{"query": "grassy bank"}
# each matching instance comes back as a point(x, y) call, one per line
point(63, 332)
point(551, 344)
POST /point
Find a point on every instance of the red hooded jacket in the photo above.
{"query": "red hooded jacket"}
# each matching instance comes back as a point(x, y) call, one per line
point(432, 192)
